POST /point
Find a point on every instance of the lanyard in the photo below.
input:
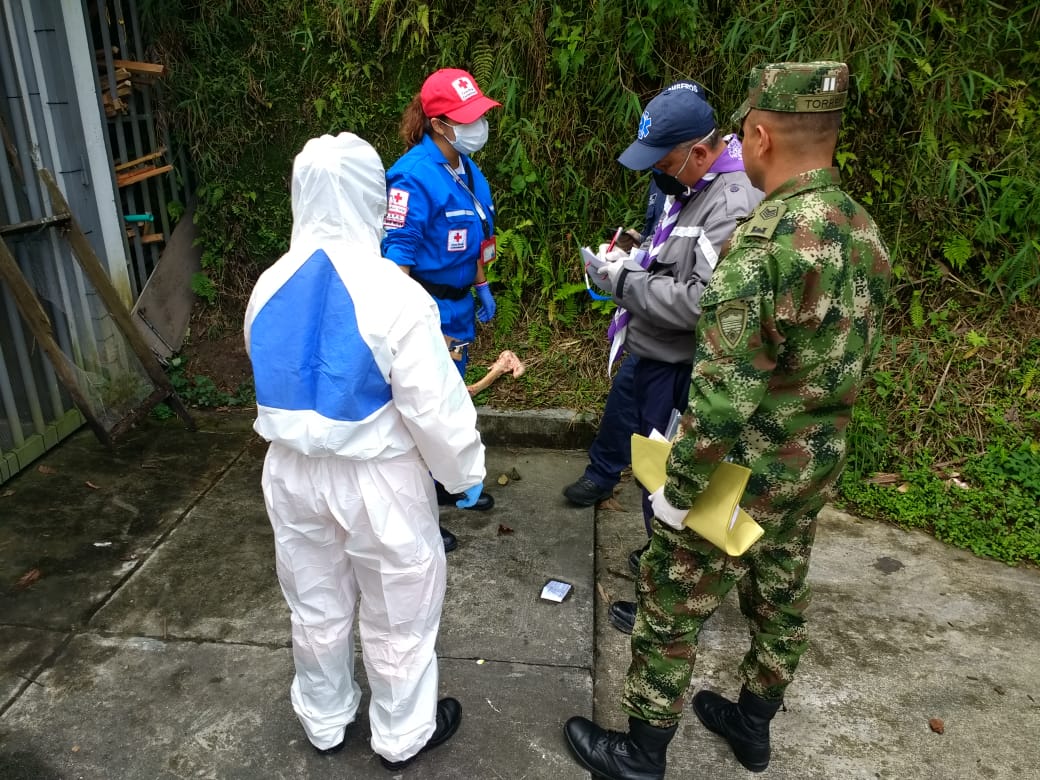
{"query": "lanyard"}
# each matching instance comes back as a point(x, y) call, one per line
point(476, 203)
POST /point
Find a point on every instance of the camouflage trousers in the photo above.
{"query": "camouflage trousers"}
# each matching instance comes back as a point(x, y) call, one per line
point(682, 581)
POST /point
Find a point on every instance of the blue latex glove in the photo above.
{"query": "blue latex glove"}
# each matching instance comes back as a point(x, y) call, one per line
point(487, 307)
point(470, 496)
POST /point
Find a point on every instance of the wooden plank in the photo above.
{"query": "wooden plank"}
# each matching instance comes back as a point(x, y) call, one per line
point(152, 238)
point(40, 326)
point(148, 69)
point(9, 148)
point(141, 160)
point(34, 224)
point(133, 177)
point(91, 266)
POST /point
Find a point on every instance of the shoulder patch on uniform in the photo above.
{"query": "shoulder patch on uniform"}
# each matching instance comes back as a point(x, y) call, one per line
point(765, 219)
point(733, 317)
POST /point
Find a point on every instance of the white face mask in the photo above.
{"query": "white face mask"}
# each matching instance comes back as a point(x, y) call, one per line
point(470, 139)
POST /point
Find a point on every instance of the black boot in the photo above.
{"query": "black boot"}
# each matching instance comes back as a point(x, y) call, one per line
point(449, 539)
point(622, 616)
point(615, 755)
point(330, 751)
point(449, 715)
point(744, 725)
point(633, 559)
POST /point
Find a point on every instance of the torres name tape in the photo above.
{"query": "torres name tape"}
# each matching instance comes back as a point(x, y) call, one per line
point(830, 101)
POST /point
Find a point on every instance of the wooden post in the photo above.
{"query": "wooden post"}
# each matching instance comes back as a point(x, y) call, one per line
point(36, 318)
point(102, 284)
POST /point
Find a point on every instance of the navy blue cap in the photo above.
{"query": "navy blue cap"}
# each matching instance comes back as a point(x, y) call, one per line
point(680, 113)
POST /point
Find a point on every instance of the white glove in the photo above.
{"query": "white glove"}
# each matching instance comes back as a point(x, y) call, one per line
point(665, 512)
point(612, 256)
point(605, 277)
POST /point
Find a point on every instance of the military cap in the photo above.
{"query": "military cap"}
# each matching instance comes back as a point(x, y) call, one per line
point(796, 87)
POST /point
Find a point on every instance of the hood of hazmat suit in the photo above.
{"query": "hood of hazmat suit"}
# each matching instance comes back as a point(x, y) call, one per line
point(347, 352)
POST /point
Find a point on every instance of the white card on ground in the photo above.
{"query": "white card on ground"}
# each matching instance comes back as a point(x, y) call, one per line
point(554, 590)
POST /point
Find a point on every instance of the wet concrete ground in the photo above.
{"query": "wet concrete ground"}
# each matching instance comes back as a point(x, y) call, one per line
point(143, 634)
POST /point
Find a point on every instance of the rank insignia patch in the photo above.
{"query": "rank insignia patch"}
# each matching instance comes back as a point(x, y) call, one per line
point(732, 323)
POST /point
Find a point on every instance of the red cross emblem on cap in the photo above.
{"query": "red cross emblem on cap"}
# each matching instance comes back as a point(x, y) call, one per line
point(464, 83)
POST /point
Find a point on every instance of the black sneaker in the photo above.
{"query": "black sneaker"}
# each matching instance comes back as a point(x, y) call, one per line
point(585, 492)
point(449, 715)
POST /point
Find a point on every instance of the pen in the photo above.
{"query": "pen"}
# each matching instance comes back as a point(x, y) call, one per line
point(613, 241)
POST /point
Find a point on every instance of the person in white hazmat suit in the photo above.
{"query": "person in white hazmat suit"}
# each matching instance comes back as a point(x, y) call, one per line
point(360, 402)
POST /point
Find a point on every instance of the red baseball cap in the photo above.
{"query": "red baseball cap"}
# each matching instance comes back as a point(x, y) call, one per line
point(454, 93)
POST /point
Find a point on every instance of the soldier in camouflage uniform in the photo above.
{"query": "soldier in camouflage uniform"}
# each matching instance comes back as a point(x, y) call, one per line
point(790, 320)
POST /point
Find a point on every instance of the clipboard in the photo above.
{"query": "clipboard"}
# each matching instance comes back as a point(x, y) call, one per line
point(590, 259)
point(716, 514)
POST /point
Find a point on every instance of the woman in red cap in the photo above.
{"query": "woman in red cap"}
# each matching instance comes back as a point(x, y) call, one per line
point(440, 220)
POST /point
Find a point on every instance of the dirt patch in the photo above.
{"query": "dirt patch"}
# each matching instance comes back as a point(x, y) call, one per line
point(215, 349)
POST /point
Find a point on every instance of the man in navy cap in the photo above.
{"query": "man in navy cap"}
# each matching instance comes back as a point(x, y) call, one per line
point(658, 286)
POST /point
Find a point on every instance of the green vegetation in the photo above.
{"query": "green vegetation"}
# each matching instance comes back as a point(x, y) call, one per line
point(938, 142)
point(201, 392)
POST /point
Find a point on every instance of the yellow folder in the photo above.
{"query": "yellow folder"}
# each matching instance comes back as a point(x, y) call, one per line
point(716, 514)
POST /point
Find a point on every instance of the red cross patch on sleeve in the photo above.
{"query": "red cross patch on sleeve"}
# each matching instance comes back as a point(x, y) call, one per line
point(397, 202)
point(457, 240)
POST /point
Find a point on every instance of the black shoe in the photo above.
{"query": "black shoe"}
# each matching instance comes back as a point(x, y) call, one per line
point(444, 498)
point(585, 492)
point(744, 725)
point(633, 559)
point(331, 750)
point(449, 715)
point(450, 542)
point(615, 755)
point(622, 616)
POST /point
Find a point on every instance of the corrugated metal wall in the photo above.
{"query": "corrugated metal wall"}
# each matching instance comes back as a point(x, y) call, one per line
point(55, 58)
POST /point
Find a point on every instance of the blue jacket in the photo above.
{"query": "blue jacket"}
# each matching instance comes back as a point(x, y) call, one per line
point(431, 225)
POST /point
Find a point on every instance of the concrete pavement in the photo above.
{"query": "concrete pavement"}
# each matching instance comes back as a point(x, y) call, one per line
point(143, 635)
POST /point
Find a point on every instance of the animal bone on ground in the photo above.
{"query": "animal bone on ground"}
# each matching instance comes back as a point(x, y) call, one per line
point(507, 363)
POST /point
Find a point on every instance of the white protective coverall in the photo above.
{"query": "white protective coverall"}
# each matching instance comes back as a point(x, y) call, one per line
point(360, 401)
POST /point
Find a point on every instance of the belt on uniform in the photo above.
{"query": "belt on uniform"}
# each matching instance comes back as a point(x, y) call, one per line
point(443, 290)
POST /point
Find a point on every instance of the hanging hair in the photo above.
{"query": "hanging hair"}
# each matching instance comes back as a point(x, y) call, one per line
point(414, 123)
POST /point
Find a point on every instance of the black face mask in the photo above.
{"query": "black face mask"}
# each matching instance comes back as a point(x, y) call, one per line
point(669, 185)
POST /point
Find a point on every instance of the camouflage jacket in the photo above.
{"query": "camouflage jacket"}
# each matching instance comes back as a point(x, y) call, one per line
point(789, 324)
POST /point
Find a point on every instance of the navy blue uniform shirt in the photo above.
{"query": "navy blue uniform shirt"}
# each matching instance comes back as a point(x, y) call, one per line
point(432, 225)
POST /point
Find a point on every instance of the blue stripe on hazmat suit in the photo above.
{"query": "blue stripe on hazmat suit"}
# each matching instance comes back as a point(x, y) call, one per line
point(318, 363)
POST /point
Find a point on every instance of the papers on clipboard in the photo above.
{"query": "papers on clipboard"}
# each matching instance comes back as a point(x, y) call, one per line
point(591, 259)
point(716, 514)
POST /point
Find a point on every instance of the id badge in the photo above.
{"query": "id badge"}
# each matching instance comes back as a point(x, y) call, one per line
point(487, 251)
